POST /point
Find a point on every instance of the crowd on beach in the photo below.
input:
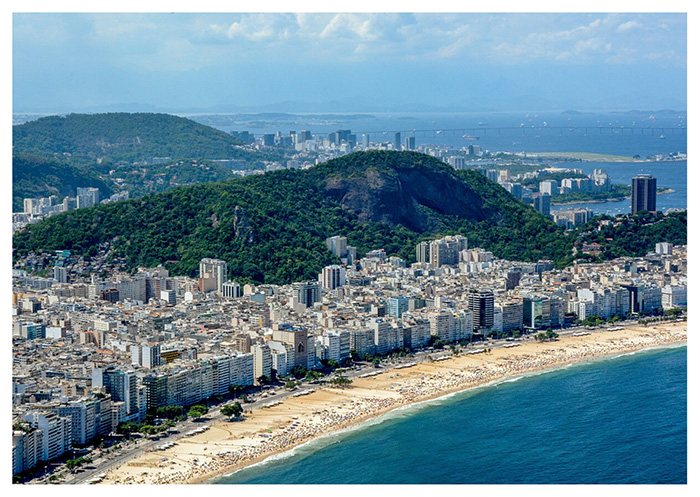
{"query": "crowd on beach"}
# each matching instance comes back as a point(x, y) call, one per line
point(405, 391)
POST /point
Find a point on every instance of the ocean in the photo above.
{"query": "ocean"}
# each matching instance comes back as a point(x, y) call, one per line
point(615, 420)
point(626, 134)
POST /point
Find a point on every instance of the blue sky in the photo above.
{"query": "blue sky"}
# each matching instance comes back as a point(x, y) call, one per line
point(349, 62)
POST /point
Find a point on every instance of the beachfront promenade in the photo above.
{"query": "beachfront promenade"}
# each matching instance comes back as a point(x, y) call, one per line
point(227, 446)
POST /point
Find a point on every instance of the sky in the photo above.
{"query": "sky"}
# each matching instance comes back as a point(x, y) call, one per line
point(347, 62)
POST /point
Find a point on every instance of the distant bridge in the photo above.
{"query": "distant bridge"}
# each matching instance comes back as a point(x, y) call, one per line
point(482, 131)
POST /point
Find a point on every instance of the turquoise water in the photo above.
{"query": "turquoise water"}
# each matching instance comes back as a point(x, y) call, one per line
point(616, 420)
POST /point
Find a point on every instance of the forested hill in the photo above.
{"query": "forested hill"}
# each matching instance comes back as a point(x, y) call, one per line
point(272, 227)
point(85, 138)
point(40, 177)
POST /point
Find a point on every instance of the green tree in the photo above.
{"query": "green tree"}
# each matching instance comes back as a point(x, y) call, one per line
point(299, 371)
point(312, 375)
point(232, 410)
point(235, 390)
point(197, 411)
point(170, 412)
point(340, 382)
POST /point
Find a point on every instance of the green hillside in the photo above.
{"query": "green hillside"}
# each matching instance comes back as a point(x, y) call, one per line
point(34, 177)
point(86, 138)
point(271, 228)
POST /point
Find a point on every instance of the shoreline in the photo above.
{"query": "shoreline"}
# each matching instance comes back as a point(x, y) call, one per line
point(231, 446)
point(604, 200)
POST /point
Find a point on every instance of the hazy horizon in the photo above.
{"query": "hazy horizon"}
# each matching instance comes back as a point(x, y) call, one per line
point(354, 62)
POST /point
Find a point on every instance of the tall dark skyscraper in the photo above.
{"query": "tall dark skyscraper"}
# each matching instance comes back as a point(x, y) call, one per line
point(541, 202)
point(643, 193)
point(481, 304)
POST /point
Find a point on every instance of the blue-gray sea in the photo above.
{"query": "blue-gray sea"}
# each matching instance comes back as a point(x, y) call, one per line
point(615, 420)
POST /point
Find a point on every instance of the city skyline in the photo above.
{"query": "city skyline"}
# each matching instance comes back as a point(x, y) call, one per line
point(337, 62)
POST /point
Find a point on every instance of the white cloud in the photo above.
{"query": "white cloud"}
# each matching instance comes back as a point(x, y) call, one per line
point(627, 26)
point(592, 45)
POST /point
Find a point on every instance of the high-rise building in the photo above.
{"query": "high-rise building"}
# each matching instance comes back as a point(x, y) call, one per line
point(396, 306)
point(338, 245)
point(298, 341)
point(262, 361)
point(481, 303)
point(409, 143)
point(110, 295)
point(446, 250)
point(231, 289)
point(365, 141)
point(549, 186)
point(307, 292)
point(643, 193)
point(513, 279)
point(536, 312)
point(397, 141)
point(423, 252)
point(87, 197)
point(60, 274)
point(515, 189)
point(664, 248)
point(512, 315)
point(242, 342)
point(90, 417)
point(541, 202)
point(156, 390)
point(122, 385)
point(333, 277)
point(170, 296)
point(212, 274)
point(56, 430)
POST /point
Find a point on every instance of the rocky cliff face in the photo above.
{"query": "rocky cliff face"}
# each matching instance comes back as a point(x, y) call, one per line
point(396, 195)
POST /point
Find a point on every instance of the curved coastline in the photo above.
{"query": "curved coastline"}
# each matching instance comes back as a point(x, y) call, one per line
point(323, 441)
point(328, 412)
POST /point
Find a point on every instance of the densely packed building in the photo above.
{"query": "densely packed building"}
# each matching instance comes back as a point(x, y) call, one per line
point(91, 353)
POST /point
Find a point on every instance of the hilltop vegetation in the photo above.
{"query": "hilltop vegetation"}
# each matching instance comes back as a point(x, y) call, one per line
point(635, 236)
point(86, 138)
point(271, 228)
point(118, 151)
point(34, 177)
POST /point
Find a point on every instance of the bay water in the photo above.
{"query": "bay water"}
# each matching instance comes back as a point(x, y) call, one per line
point(627, 134)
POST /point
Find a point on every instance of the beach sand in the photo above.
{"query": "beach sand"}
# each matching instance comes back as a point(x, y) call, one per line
point(228, 446)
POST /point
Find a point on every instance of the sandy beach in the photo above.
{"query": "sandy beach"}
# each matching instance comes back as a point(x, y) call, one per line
point(228, 446)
